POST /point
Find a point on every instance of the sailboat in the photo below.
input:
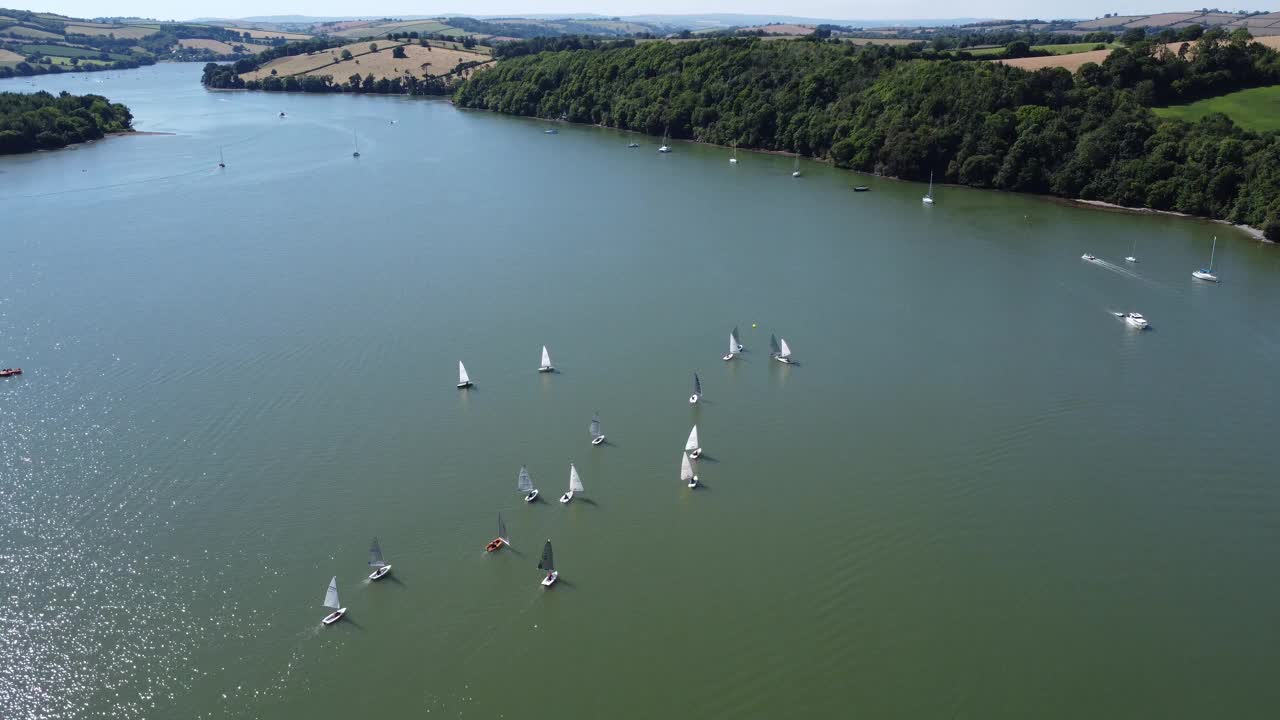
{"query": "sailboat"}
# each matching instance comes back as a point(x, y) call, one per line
point(380, 567)
point(796, 172)
point(633, 145)
point(773, 346)
point(691, 445)
point(928, 198)
point(548, 565)
point(524, 484)
point(784, 352)
point(734, 160)
point(502, 539)
point(546, 365)
point(221, 161)
point(464, 380)
point(355, 143)
point(737, 339)
point(1207, 273)
point(575, 485)
point(733, 348)
point(686, 471)
point(664, 148)
point(697, 390)
point(331, 601)
point(1133, 253)
point(597, 437)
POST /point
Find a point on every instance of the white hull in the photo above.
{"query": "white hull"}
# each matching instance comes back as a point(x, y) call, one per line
point(697, 453)
point(597, 440)
point(377, 574)
point(1202, 275)
point(551, 579)
point(728, 357)
point(533, 495)
point(566, 498)
point(1131, 259)
point(784, 361)
point(926, 200)
point(1088, 258)
point(733, 161)
point(664, 149)
point(693, 399)
point(548, 368)
point(1138, 324)
point(693, 483)
point(795, 174)
point(464, 385)
point(334, 616)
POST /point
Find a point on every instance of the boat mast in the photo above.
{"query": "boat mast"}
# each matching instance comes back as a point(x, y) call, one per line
point(1213, 250)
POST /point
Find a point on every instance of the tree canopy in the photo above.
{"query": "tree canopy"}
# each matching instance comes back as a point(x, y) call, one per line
point(40, 121)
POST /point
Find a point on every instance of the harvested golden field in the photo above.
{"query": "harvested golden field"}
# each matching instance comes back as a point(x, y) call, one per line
point(440, 61)
point(787, 30)
point(20, 31)
point(1071, 62)
point(133, 33)
point(9, 56)
point(220, 47)
point(881, 41)
point(300, 64)
point(270, 34)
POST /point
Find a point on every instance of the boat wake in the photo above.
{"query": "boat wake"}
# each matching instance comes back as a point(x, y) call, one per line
point(1117, 269)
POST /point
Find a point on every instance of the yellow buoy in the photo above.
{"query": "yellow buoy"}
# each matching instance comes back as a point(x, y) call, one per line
point(753, 324)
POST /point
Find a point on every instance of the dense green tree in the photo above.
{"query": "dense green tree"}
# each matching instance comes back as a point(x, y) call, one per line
point(399, 53)
point(33, 121)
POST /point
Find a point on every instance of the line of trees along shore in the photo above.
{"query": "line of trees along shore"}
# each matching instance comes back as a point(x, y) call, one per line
point(1090, 135)
point(40, 121)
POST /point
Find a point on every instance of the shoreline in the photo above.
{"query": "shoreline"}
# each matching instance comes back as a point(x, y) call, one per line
point(1249, 230)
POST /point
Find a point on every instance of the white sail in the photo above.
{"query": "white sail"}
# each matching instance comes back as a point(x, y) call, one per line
point(546, 357)
point(686, 467)
point(463, 378)
point(575, 482)
point(733, 344)
point(331, 596)
point(595, 427)
point(784, 351)
point(692, 443)
point(525, 483)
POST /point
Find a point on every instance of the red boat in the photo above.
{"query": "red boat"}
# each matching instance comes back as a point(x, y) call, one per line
point(10, 372)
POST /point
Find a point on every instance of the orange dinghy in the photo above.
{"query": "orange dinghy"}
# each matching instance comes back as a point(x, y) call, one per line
point(497, 543)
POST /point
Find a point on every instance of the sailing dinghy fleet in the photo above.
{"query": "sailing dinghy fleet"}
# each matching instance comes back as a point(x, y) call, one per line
point(524, 482)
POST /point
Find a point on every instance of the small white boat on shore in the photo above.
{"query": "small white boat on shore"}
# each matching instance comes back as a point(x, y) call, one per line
point(380, 567)
point(686, 471)
point(331, 601)
point(548, 565)
point(691, 445)
point(575, 485)
point(524, 484)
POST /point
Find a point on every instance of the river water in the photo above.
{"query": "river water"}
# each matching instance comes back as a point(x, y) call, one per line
point(977, 495)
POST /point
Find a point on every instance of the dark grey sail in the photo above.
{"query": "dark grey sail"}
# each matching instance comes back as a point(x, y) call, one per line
point(548, 562)
point(375, 555)
point(773, 344)
point(697, 385)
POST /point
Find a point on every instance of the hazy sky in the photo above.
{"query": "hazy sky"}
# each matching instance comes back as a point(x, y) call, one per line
point(859, 10)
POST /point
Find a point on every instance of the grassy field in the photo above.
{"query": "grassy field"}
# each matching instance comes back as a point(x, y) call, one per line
point(9, 56)
point(1071, 48)
point(26, 32)
point(67, 51)
point(270, 34)
point(220, 47)
point(134, 33)
point(1255, 108)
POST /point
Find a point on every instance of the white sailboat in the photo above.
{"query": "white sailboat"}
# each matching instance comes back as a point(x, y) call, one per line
point(1207, 273)
point(733, 348)
point(464, 380)
point(597, 437)
point(734, 160)
point(697, 390)
point(664, 148)
point(575, 485)
point(1133, 252)
point(737, 339)
point(691, 445)
point(686, 471)
point(355, 141)
point(524, 484)
point(502, 539)
point(331, 601)
point(548, 565)
point(376, 562)
point(546, 365)
point(928, 198)
point(779, 350)
point(796, 171)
